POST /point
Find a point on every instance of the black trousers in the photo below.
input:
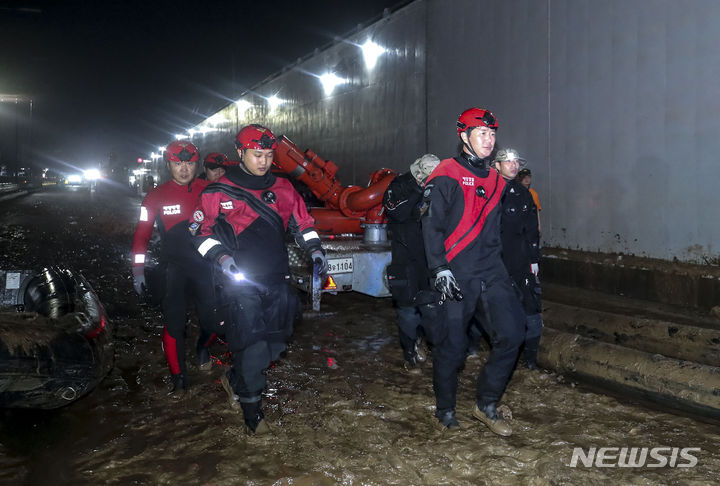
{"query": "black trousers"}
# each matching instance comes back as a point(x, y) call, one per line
point(504, 321)
point(261, 322)
point(409, 319)
point(185, 279)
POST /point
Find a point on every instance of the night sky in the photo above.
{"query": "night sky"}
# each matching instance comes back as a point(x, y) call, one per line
point(124, 76)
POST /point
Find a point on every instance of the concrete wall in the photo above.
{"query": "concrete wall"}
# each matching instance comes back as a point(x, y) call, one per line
point(375, 120)
point(634, 126)
point(614, 104)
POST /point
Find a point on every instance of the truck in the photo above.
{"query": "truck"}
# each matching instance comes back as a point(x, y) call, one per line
point(351, 223)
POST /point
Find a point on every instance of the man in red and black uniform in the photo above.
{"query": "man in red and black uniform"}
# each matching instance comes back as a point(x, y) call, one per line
point(461, 230)
point(170, 205)
point(215, 165)
point(240, 225)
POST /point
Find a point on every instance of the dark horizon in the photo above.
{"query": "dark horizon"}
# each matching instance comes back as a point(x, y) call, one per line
point(123, 77)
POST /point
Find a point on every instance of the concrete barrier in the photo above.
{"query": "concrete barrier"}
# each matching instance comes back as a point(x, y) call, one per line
point(680, 384)
point(669, 338)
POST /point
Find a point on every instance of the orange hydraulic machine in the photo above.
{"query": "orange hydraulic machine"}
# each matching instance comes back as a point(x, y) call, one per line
point(352, 224)
point(348, 209)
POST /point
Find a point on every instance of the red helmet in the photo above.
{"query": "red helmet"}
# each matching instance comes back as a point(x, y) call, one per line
point(216, 159)
point(476, 117)
point(181, 151)
point(255, 137)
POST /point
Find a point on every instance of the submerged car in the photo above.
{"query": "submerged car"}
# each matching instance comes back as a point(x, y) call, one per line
point(55, 338)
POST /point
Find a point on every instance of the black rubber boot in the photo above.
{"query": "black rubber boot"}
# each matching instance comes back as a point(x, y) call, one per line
point(530, 352)
point(254, 418)
point(447, 419)
point(179, 385)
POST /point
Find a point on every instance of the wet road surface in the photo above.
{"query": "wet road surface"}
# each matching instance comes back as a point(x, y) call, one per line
point(341, 409)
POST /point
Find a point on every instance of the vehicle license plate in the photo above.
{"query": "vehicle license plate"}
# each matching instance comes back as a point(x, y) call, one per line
point(340, 265)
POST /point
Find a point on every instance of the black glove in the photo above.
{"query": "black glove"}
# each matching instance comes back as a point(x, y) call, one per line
point(319, 259)
point(446, 284)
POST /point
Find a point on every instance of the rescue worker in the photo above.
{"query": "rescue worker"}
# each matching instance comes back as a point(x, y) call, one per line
point(240, 226)
point(169, 206)
point(461, 230)
point(408, 274)
point(525, 178)
point(215, 165)
point(520, 248)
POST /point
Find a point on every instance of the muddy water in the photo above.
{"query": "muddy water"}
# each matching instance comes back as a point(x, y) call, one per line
point(340, 408)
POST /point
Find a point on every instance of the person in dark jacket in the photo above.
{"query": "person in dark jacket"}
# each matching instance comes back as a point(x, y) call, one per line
point(408, 274)
point(240, 226)
point(461, 231)
point(520, 247)
point(525, 178)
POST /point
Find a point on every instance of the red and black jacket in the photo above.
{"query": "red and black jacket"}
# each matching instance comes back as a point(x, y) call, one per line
point(169, 205)
point(247, 216)
point(461, 227)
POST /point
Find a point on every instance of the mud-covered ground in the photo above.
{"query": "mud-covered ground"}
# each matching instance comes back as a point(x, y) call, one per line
point(341, 409)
